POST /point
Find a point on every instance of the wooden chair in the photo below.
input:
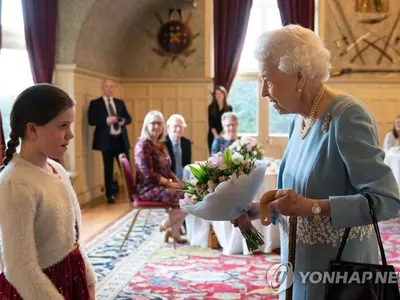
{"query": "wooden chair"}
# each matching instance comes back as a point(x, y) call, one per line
point(129, 186)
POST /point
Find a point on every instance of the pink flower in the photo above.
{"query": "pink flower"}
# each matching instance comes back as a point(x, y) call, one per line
point(222, 178)
point(216, 160)
point(249, 147)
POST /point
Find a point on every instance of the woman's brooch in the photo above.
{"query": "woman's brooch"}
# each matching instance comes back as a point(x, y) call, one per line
point(325, 125)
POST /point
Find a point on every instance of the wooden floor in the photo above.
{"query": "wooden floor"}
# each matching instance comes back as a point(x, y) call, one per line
point(98, 216)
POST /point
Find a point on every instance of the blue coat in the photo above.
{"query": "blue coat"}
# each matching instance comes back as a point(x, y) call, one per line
point(339, 159)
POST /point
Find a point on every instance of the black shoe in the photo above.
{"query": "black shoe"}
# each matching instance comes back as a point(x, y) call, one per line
point(111, 200)
point(115, 187)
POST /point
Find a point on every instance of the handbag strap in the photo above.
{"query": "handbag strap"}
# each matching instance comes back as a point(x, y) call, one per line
point(377, 232)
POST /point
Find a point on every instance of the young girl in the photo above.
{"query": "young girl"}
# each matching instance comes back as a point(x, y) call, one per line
point(40, 218)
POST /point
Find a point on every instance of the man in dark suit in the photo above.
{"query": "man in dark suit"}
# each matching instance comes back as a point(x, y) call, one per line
point(110, 117)
point(179, 147)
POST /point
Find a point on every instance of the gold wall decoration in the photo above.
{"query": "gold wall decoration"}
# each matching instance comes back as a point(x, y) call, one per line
point(372, 6)
point(175, 38)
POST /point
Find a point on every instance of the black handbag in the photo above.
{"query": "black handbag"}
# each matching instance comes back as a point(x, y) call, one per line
point(363, 281)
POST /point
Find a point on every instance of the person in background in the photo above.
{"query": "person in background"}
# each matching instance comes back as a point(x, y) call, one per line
point(229, 122)
point(216, 109)
point(179, 147)
point(110, 117)
point(154, 179)
point(392, 138)
point(40, 217)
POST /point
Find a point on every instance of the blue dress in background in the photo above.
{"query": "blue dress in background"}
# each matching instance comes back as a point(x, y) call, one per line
point(339, 159)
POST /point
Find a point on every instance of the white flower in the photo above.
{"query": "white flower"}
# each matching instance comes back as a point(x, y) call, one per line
point(237, 158)
point(197, 165)
point(194, 181)
point(234, 145)
point(254, 153)
point(211, 184)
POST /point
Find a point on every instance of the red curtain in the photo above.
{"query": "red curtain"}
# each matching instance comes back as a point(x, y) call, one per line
point(231, 18)
point(40, 18)
point(300, 12)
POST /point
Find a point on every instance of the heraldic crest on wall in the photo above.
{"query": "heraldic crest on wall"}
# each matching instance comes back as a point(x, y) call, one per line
point(175, 38)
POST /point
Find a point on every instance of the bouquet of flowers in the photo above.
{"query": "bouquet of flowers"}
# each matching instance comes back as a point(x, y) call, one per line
point(222, 189)
point(248, 147)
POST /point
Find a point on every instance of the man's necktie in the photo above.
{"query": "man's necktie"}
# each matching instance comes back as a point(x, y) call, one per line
point(178, 161)
point(112, 113)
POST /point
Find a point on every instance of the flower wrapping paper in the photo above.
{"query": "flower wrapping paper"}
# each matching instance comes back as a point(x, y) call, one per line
point(230, 198)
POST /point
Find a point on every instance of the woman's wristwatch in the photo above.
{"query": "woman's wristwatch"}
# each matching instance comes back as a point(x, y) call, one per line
point(316, 210)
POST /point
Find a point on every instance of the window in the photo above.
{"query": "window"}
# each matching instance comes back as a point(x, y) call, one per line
point(244, 94)
point(15, 71)
point(244, 99)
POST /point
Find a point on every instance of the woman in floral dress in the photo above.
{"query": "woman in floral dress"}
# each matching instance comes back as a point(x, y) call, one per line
point(154, 179)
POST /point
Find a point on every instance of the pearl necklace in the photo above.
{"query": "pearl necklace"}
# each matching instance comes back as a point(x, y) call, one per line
point(307, 124)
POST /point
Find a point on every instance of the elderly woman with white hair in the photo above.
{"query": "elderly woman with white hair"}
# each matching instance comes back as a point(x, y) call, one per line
point(331, 162)
point(229, 122)
point(154, 179)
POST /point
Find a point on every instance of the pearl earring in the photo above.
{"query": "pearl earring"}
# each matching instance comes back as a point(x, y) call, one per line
point(299, 90)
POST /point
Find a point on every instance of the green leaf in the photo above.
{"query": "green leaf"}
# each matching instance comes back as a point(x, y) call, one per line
point(198, 173)
point(188, 191)
point(228, 157)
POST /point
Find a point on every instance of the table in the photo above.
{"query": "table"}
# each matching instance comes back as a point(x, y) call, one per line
point(229, 237)
point(392, 159)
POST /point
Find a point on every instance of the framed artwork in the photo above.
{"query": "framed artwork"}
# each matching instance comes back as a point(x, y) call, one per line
point(363, 35)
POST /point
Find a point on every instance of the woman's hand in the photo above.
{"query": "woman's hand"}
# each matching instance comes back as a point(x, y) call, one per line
point(92, 293)
point(176, 185)
point(290, 203)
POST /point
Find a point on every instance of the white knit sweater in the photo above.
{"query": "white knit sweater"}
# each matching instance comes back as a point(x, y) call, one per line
point(37, 226)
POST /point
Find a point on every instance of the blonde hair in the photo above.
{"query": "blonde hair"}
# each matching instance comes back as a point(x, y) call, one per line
point(175, 117)
point(150, 117)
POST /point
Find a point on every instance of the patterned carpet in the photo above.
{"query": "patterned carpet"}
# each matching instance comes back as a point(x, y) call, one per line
point(146, 268)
